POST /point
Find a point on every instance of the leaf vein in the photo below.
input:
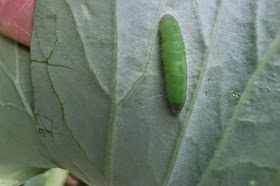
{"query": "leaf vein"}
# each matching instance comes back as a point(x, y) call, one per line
point(93, 74)
point(18, 88)
point(64, 120)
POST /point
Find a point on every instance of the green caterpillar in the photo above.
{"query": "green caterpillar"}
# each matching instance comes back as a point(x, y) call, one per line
point(174, 59)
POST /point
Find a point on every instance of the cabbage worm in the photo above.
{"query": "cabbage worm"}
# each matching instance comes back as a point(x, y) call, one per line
point(174, 59)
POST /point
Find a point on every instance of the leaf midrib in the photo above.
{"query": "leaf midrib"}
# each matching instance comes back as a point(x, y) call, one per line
point(115, 104)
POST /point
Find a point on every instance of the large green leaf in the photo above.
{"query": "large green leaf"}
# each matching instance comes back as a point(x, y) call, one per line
point(20, 146)
point(101, 104)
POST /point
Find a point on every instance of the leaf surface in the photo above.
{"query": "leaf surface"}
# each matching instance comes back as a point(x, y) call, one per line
point(20, 143)
point(11, 176)
point(99, 91)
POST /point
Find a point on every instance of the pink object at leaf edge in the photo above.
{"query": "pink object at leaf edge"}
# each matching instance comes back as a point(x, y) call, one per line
point(16, 19)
